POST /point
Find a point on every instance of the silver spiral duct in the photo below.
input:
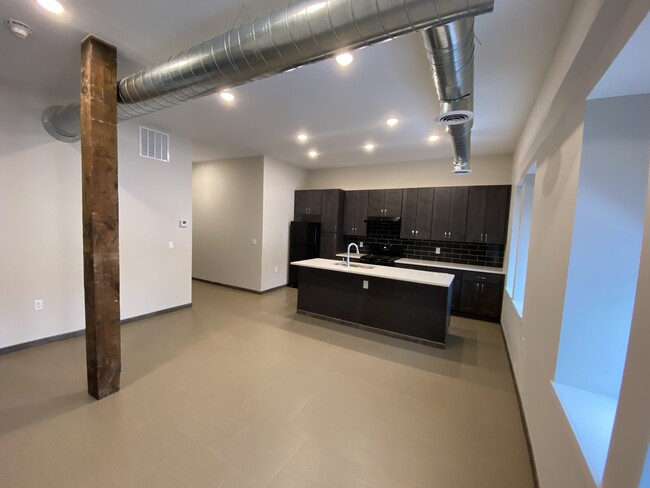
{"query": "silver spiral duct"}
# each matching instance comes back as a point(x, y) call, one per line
point(303, 32)
point(450, 49)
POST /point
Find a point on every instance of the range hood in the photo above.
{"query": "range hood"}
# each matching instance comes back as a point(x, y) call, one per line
point(383, 219)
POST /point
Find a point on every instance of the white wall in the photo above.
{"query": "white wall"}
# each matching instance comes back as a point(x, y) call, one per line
point(154, 197)
point(553, 137)
point(486, 170)
point(227, 209)
point(280, 182)
point(41, 236)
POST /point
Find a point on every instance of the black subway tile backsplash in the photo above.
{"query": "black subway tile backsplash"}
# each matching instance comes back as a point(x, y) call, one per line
point(451, 252)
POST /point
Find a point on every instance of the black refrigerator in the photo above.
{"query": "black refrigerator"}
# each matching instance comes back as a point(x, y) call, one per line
point(304, 243)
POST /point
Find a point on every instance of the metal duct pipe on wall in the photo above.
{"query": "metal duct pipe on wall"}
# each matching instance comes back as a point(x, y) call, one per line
point(303, 32)
point(450, 49)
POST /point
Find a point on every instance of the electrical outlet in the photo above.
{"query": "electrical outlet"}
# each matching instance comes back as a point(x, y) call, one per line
point(361, 244)
point(365, 284)
point(170, 245)
point(275, 270)
point(38, 305)
point(254, 242)
point(437, 250)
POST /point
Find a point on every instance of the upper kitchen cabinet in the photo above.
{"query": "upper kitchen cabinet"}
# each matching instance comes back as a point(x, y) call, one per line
point(487, 214)
point(417, 205)
point(356, 211)
point(307, 205)
point(332, 211)
point(450, 213)
point(385, 203)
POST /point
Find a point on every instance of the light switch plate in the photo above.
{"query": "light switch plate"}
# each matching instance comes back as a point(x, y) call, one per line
point(365, 284)
point(170, 245)
point(38, 305)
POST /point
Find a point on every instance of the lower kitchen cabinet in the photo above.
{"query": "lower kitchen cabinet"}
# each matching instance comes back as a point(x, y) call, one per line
point(481, 294)
point(474, 293)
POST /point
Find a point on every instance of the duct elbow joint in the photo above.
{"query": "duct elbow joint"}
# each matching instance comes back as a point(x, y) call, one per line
point(60, 123)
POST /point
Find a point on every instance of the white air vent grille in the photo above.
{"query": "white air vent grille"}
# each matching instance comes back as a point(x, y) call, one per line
point(154, 144)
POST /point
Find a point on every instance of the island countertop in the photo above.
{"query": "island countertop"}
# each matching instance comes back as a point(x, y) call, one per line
point(400, 274)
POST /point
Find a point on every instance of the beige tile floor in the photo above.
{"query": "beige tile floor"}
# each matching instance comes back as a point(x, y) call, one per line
point(240, 392)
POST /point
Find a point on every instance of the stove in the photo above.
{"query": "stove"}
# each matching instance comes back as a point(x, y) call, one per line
point(383, 254)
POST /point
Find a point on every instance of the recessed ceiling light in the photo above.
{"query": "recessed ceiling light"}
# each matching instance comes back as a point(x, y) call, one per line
point(313, 154)
point(344, 59)
point(433, 138)
point(392, 122)
point(302, 137)
point(227, 96)
point(369, 147)
point(51, 6)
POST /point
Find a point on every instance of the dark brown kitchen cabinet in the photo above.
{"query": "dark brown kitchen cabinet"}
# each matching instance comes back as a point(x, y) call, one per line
point(356, 211)
point(330, 245)
point(487, 214)
point(385, 203)
point(449, 213)
point(332, 211)
point(417, 204)
point(307, 205)
point(481, 294)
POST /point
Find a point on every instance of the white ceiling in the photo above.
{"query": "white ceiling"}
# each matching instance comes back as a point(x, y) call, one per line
point(341, 109)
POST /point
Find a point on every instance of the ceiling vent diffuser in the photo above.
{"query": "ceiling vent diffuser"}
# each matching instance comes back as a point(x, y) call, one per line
point(154, 144)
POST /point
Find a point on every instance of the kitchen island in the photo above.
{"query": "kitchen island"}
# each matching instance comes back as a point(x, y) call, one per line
point(410, 304)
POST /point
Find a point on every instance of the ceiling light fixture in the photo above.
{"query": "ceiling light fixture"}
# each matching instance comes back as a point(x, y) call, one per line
point(369, 147)
point(392, 122)
point(302, 137)
point(433, 138)
point(51, 6)
point(344, 59)
point(18, 28)
point(227, 96)
point(313, 154)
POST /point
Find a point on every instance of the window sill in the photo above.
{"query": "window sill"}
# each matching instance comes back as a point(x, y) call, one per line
point(591, 416)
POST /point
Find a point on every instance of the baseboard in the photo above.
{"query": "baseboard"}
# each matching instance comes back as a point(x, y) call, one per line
point(533, 465)
point(239, 288)
point(40, 342)
point(155, 314)
point(77, 333)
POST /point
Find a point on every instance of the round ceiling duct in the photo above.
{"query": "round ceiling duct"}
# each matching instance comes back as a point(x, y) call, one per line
point(18, 28)
point(455, 117)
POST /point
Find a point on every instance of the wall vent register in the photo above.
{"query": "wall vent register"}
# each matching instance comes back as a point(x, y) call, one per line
point(154, 144)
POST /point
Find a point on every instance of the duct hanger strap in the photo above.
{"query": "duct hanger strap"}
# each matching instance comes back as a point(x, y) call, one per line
point(303, 32)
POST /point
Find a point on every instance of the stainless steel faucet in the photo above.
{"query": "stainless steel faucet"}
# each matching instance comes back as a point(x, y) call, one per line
point(349, 246)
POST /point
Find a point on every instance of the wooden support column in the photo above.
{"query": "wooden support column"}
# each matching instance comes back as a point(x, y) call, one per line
point(100, 216)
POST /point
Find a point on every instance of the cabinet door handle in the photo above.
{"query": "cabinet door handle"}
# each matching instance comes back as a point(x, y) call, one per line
point(412, 233)
point(485, 237)
point(482, 287)
point(416, 232)
point(450, 234)
point(481, 237)
point(477, 287)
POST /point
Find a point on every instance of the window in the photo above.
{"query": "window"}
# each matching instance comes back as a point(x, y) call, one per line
point(521, 224)
point(601, 281)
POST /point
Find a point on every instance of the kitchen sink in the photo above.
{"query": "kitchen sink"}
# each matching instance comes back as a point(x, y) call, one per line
point(354, 265)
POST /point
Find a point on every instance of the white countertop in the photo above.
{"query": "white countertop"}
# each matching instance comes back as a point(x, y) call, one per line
point(439, 264)
point(400, 274)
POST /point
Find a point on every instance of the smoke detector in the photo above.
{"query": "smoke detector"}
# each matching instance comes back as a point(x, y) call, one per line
point(18, 28)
